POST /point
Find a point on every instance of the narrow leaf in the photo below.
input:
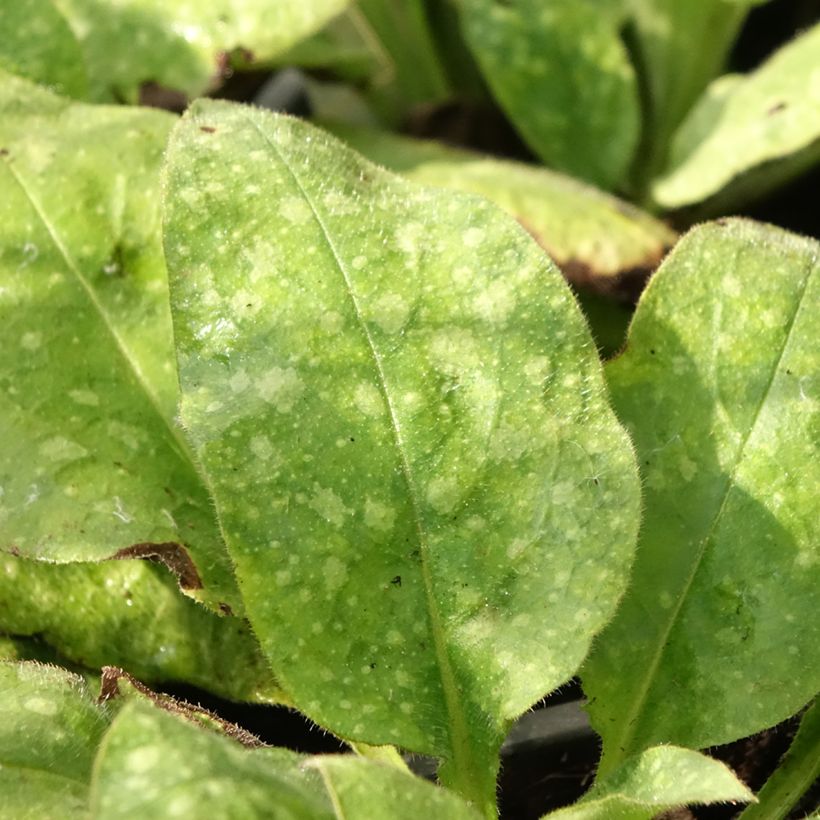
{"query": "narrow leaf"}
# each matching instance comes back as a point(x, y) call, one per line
point(38, 44)
point(717, 637)
point(597, 240)
point(183, 45)
point(50, 727)
point(562, 74)
point(795, 775)
point(768, 131)
point(659, 779)
point(429, 501)
point(131, 614)
point(92, 463)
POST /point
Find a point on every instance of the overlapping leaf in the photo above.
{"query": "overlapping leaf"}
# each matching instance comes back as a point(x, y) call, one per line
point(38, 44)
point(562, 74)
point(597, 240)
point(177, 43)
point(429, 502)
point(659, 779)
point(754, 134)
point(717, 637)
point(131, 614)
point(92, 462)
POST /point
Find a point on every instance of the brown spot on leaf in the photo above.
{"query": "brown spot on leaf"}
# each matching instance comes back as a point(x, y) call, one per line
point(208, 129)
point(777, 108)
point(4, 152)
point(225, 609)
point(170, 553)
point(110, 689)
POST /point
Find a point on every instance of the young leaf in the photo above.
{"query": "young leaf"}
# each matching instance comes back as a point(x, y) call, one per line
point(403, 418)
point(183, 45)
point(654, 781)
point(716, 638)
point(768, 129)
point(597, 240)
point(38, 44)
point(131, 614)
point(562, 74)
point(92, 462)
point(794, 776)
point(50, 727)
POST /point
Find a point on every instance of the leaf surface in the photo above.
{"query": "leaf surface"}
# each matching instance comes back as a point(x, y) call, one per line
point(656, 780)
point(371, 371)
point(93, 463)
point(716, 638)
point(180, 44)
point(766, 130)
point(38, 44)
point(563, 76)
point(597, 240)
point(131, 614)
point(50, 727)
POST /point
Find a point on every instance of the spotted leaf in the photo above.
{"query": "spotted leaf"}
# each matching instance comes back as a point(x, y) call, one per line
point(401, 412)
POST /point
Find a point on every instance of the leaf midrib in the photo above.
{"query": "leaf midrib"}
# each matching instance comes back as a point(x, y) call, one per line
point(458, 726)
point(100, 310)
point(619, 748)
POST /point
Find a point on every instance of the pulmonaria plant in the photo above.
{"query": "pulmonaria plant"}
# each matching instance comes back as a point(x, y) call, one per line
point(282, 424)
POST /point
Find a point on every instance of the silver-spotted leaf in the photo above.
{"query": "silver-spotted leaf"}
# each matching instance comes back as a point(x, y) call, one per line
point(563, 75)
point(50, 727)
point(430, 505)
point(765, 130)
point(38, 44)
point(597, 240)
point(181, 44)
point(92, 462)
point(654, 781)
point(132, 615)
point(717, 637)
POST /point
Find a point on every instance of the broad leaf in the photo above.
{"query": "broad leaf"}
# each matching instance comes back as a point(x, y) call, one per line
point(183, 45)
point(93, 463)
point(156, 765)
point(562, 74)
point(131, 614)
point(765, 130)
point(597, 240)
point(38, 44)
point(430, 504)
point(659, 779)
point(50, 727)
point(795, 775)
point(717, 638)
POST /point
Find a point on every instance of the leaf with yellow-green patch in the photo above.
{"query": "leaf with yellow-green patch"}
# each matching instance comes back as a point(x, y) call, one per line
point(717, 385)
point(402, 415)
point(93, 463)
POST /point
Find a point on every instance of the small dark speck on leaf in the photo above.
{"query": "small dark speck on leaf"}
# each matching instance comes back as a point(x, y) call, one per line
point(208, 129)
point(373, 665)
point(652, 351)
point(225, 609)
point(788, 372)
point(777, 108)
point(4, 152)
point(396, 581)
point(352, 439)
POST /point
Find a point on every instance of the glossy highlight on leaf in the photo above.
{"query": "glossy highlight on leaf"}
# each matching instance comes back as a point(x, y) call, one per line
point(430, 504)
point(716, 638)
point(92, 460)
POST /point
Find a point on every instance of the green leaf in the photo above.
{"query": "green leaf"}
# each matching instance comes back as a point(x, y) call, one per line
point(180, 44)
point(93, 463)
point(38, 44)
point(563, 76)
point(795, 775)
point(403, 417)
point(659, 779)
point(597, 240)
point(675, 72)
point(765, 130)
point(131, 614)
point(717, 637)
point(50, 727)
point(154, 764)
